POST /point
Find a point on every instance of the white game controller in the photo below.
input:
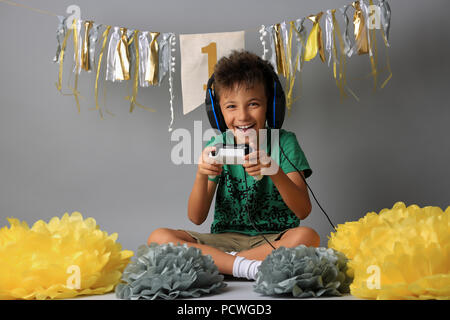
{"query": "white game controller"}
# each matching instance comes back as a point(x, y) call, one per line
point(231, 154)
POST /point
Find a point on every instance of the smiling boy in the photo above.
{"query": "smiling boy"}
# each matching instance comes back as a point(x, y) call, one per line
point(243, 88)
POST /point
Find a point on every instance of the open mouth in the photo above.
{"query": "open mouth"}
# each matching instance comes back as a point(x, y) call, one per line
point(245, 128)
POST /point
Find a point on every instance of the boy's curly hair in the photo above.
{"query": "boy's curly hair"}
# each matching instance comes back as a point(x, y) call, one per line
point(242, 67)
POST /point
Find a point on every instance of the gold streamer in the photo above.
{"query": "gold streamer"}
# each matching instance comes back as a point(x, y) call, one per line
point(314, 43)
point(360, 30)
point(152, 73)
point(85, 63)
point(75, 92)
point(279, 50)
point(124, 57)
point(290, 80)
point(372, 48)
point(61, 60)
point(388, 64)
point(374, 58)
point(340, 81)
point(300, 59)
point(100, 57)
point(136, 71)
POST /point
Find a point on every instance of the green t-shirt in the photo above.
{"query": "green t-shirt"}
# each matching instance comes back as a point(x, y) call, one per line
point(268, 211)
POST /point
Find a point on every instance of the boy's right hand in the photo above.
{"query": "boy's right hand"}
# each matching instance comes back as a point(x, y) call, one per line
point(208, 166)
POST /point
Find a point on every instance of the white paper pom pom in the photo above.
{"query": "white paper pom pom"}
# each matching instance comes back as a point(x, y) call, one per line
point(169, 272)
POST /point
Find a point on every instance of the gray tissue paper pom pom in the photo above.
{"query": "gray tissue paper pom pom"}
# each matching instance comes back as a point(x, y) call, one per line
point(303, 272)
point(169, 271)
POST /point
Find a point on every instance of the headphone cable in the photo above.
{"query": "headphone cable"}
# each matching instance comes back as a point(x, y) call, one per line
point(308, 188)
point(248, 211)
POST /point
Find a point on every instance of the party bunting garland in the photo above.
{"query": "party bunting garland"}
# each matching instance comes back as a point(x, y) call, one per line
point(338, 45)
point(142, 57)
point(145, 58)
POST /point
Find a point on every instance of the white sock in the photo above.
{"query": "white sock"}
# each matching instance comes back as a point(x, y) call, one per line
point(233, 253)
point(245, 268)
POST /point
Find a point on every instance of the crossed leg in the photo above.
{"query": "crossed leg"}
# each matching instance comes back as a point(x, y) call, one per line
point(224, 261)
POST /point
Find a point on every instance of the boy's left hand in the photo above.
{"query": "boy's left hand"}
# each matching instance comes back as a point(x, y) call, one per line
point(258, 163)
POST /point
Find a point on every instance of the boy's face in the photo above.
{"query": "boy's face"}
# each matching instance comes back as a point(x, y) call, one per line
point(244, 109)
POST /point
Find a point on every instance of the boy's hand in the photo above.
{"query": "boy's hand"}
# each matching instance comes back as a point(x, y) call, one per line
point(208, 166)
point(258, 163)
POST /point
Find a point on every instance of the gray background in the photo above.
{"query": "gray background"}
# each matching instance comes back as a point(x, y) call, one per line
point(391, 146)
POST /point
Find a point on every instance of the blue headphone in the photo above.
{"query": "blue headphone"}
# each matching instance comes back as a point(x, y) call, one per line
point(274, 115)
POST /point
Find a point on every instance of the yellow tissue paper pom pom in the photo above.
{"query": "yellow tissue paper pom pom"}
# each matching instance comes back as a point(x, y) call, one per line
point(400, 253)
point(63, 258)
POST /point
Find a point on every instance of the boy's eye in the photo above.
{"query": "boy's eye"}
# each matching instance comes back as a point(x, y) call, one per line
point(252, 104)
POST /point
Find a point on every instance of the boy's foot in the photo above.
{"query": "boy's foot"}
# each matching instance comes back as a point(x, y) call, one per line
point(245, 268)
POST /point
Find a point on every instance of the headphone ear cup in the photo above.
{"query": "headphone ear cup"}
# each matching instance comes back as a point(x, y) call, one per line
point(213, 110)
point(280, 105)
point(215, 116)
point(222, 124)
point(276, 109)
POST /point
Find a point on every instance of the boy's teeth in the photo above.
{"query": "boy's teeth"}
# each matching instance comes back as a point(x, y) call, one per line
point(245, 127)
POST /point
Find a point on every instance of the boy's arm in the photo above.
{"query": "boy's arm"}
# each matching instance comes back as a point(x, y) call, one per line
point(200, 199)
point(293, 190)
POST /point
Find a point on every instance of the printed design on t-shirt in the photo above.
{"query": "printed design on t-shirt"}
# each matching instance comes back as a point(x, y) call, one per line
point(268, 210)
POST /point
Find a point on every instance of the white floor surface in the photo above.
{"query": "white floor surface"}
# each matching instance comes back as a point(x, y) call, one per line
point(235, 290)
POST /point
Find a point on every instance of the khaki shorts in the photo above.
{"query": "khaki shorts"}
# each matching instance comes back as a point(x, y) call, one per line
point(232, 241)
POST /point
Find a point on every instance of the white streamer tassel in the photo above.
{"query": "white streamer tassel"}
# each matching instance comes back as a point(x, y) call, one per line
point(263, 33)
point(77, 69)
point(171, 70)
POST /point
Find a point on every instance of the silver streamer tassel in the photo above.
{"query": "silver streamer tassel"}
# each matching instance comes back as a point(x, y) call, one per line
point(329, 28)
point(111, 58)
point(385, 12)
point(301, 43)
point(273, 58)
point(164, 55)
point(346, 38)
point(93, 37)
point(144, 51)
point(60, 34)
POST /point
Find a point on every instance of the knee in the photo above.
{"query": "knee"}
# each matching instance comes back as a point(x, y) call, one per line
point(161, 236)
point(303, 235)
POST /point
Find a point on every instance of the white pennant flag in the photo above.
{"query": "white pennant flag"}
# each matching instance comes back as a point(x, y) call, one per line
point(199, 55)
